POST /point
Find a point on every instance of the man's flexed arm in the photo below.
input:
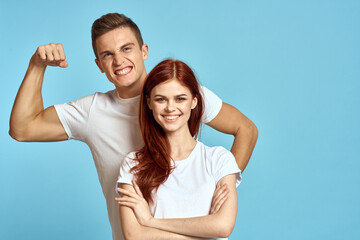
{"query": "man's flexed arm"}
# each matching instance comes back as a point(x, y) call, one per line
point(231, 121)
point(29, 121)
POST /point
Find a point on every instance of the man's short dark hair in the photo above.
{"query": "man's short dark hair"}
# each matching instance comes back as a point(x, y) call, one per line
point(110, 22)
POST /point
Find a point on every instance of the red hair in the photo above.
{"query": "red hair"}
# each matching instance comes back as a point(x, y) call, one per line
point(154, 160)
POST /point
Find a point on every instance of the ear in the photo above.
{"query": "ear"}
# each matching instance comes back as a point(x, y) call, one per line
point(194, 103)
point(145, 51)
point(99, 65)
point(148, 102)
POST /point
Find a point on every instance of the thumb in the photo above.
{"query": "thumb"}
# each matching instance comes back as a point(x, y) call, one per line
point(63, 64)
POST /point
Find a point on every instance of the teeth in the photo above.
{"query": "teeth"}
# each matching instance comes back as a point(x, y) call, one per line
point(123, 71)
point(171, 117)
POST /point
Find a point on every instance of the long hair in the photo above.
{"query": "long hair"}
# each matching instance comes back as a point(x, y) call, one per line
point(154, 160)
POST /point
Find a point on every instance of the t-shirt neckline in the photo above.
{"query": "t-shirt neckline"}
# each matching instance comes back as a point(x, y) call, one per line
point(175, 163)
point(125, 100)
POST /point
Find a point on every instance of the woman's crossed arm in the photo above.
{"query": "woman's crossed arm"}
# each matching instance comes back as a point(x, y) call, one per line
point(134, 211)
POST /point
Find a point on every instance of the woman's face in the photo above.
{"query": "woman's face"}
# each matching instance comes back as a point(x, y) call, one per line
point(171, 104)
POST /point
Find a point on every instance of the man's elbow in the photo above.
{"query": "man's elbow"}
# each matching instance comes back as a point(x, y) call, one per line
point(17, 135)
point(249, 129)
point(254, 131)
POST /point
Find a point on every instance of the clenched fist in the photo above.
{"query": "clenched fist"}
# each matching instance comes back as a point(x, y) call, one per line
point(50, 55)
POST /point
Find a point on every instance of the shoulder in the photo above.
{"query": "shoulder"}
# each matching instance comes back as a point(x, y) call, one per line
point(216, 151)
point(89, 99)
point(212, 104)
point(129, 159)
point(107, 96)
point(99, 99)
point(207, 93)
point(101, 95)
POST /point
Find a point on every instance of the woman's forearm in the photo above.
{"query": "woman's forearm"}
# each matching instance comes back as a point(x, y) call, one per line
point(211, 226)
point(218, 225)
point(141, 232)
point(133, 230)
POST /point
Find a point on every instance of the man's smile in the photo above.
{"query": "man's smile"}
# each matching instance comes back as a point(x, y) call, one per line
point(123, 71)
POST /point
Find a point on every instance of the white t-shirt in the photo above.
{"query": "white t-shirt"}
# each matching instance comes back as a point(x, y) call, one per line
point(189, 189)
point(109, 125)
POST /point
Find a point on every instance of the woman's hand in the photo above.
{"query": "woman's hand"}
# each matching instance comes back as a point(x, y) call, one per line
point(137, 203)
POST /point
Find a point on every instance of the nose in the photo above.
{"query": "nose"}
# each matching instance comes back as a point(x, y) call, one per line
point(118, 59)
point(170, 106)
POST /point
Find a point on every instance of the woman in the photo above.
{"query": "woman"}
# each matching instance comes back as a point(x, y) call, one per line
point(167, 186)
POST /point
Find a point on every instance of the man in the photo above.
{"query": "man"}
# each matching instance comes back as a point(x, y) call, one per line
point(108, 122)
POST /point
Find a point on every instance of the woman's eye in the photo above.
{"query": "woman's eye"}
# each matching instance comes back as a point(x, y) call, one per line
point(180, 99)
point(159, 99)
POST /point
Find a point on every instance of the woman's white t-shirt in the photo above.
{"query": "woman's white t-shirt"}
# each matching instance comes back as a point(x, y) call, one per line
point(189, 189)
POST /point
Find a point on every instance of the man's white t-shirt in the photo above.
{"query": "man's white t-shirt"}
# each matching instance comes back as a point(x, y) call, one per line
point(109, 125)
point(189, 189)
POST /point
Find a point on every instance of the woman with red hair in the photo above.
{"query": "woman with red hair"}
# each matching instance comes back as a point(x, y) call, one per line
point(167, 186)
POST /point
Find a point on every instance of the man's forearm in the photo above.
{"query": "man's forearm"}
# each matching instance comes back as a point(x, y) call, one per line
point(243, 145)
point(231, 121)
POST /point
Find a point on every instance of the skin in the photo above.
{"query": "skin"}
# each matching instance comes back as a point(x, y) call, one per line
point(171, 104)
point(172, 99)
point(122, 61)
point(132, 229)
point(136, 219)
point(30, 122)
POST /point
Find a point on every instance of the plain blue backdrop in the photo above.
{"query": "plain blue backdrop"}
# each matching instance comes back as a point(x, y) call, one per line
point(293, 67)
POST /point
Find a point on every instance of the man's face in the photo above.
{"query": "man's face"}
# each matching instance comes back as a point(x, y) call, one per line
point(122, 60)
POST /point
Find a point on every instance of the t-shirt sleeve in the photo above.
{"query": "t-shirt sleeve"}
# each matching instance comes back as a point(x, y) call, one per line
point(74, 116)
point(224, 163)
point(212, 105)
point(125, 176)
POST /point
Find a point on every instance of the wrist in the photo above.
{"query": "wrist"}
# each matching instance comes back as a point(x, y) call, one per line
point(36, 64)
point(151, 222)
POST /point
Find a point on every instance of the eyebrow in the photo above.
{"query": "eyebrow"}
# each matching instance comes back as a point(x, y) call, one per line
point(179, 95)
point(121, 47)
point(127, 44)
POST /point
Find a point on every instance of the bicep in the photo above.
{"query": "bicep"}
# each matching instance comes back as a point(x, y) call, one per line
point(230, 120)
point(46, 127)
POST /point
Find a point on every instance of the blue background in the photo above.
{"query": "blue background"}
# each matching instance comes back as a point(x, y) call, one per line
point(293, 67)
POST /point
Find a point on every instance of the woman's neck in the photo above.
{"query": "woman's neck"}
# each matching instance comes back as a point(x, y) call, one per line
point(181, 144)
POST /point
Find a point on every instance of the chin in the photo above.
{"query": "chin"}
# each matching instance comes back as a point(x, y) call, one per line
point(125, 84)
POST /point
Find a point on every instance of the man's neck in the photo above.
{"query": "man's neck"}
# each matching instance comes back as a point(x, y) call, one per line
point(132, 90)
point(128, 93)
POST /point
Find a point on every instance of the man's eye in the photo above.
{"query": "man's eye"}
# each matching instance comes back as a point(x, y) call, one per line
point(106, 55)
point(126, 49)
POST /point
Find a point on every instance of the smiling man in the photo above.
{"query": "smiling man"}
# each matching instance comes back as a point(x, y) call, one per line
point(108, 122)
